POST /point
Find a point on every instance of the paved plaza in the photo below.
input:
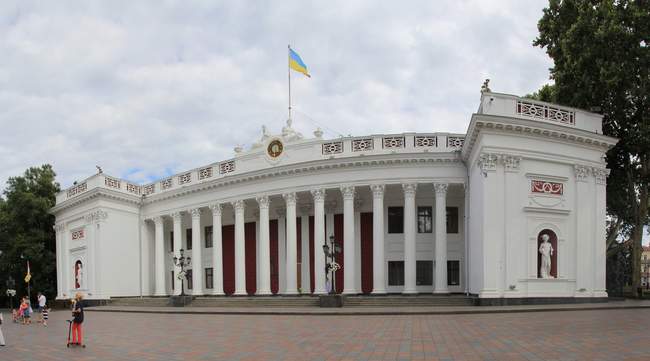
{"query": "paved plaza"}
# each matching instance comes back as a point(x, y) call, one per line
point(568, 335)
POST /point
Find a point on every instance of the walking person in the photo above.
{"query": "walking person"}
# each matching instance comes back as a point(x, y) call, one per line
point(42, 300)
point(45, 312)
point(2, 337)
point(77, 321)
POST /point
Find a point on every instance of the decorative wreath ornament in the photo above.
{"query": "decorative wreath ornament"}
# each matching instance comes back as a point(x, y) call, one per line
point(181, 275)
point(335, 266)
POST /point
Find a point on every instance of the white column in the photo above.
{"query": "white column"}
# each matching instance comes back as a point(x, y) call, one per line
point(585, 203)
point(305, 283)
point(159, 250)
point(409, 238)
point(66, 267)
point(217, 255)
point(441, 238)
point(292, 262)
point(378, 258)
point(282, 250)
point(177, 218)
point(319, 240)
point(349, 277)
point(265, 248)
point(58, 229)
point(197, 256)
point(240, 248)
point(600, 247)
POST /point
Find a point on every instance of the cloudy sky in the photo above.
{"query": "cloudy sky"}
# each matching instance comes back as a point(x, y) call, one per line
point(146, 89)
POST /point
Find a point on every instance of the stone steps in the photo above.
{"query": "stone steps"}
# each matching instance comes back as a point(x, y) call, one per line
point(407, 301)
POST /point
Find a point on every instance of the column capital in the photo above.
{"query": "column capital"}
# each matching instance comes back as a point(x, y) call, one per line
point(216, 209)
point(581, 172)
point(176, 216)
point(318, 194)
point(290, 198)
point(377, 190)
point(601, 175)
point(158, 220)
point(409, 188)
point(239, 205)
point(196, 213)
point(60, 227)
point(440, 188)
point(263, 202)
point(488, 162)
point(512, 163)
point(348, 191)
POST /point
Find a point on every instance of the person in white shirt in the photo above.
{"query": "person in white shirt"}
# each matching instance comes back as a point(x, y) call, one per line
point(42, 300)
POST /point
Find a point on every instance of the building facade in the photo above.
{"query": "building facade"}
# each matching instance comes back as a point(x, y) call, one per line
point(514, 208)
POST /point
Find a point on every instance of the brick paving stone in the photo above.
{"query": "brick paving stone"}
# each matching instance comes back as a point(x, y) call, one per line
point(570, 335)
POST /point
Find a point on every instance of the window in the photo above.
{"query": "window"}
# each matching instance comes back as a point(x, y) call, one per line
point(396, 273)
point(173, 279)
point(424, 220)
point(188, 238)
point(188, 276)
point(171, 242)
point(395, 219)
point(208, 237)
point(453, 273)
point(452, 219)
point(208, 278)
point(424, 273)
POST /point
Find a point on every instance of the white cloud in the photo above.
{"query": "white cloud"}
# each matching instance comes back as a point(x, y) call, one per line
point(149, 88)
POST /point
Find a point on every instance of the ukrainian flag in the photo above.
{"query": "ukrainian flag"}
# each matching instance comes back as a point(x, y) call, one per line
point(296, 63)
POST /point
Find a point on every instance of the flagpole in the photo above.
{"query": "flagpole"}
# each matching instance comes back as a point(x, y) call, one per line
point(289, 75)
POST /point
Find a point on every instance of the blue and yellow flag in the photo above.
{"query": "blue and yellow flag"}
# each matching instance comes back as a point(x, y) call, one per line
point(296, 63)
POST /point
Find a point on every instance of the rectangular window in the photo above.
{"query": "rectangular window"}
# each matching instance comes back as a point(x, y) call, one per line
point(188, 238)
point(171, 241)
point(453, 273)
point(395, 219)
point(425, 220)
point(188, 277)
point(208, 237)
point(172, 280)
point(396, 273)
point(452, 219)
point(208, 278)
point(424, 273)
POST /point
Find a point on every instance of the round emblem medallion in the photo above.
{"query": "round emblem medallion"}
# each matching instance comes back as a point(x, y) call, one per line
point(275, 148)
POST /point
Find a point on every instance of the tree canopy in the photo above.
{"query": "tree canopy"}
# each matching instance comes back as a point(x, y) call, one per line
point(601, 55)
point(26, 230)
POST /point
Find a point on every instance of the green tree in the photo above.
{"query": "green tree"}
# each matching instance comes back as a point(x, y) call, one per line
point(601, 61)
point(26, 230)
point(546, 94)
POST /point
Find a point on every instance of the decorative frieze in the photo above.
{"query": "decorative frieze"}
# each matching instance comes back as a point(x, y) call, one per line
point(227, 167)
point(185, 178)
point(205, 173)
point(545, 112)
point(79, 188)
point(77, 235)
point(112, 182)
point(425, 141)
point(166, 184)
point(363, 144)
point(455, 142)
point(133, 188)
point(393, 142)
point(544, 187)
point(149, 189)
point(332, 148)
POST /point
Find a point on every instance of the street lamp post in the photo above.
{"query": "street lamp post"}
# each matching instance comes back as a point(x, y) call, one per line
point(331, 251)
point(182, 262)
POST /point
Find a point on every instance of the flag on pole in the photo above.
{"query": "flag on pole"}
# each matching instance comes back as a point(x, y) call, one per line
point(28, 276)
point(296, 63)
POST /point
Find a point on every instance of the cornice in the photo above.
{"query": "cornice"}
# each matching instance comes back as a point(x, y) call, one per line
point(96, 193)
point(451, 158)
point(527, 127)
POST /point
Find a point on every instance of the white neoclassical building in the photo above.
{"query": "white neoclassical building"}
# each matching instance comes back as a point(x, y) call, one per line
point(515, 208)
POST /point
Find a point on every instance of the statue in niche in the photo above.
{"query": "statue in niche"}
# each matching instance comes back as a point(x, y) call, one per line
point(546, 252)
point(78, 275)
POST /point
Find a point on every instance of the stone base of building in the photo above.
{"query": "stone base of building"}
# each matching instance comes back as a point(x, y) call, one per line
point(537, 301)
point(331, 301)
point(67, 304)
point(179, 301)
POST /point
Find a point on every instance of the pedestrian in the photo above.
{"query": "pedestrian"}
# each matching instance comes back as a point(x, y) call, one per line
point(23, 310)
point(45, 312)
point(78, 319)
point(42, 300)
point(2, 337)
